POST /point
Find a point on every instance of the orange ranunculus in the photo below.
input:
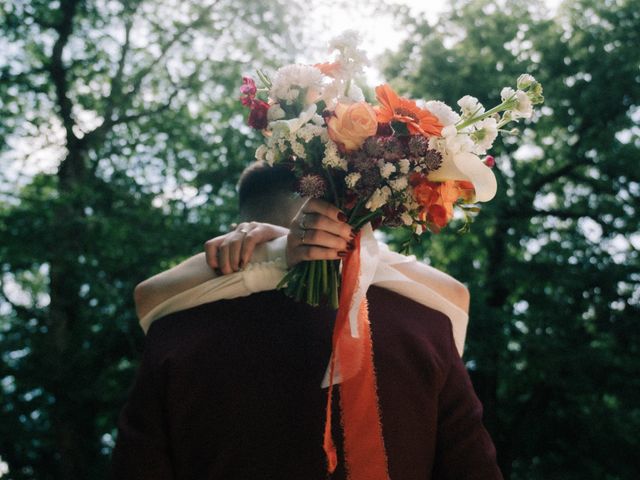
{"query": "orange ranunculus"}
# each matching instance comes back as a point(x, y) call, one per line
point(437, 199)
point(328, 69)
point(420, 121)
point(351, 124)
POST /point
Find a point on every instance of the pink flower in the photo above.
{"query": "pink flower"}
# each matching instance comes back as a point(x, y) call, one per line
point(248, 91)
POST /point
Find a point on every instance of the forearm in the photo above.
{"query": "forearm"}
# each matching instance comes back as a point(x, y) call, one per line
point(155, 290)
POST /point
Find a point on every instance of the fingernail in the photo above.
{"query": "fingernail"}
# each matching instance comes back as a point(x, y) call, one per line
point(353, 233)
point(218, 271)
point(351, 246)
point(342, 254)
point(342, 217)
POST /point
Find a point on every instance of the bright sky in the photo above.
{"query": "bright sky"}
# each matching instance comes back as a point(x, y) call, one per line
point(379, 32)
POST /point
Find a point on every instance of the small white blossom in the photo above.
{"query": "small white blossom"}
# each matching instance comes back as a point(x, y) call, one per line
point(270, 157)
point(332, 158)
point(386, 168)
point(406, 218)
point(485, 134)
point(419, 229)
point(308, 132)
point(506, 93)
point(445, 114)
point(275, 112)
point(298, 149)
point(470, 106)
point(352, 179)
point(404, 165)
point(525, 80)
point(399, 184)
point(261, 151)
point(378, 198)
point(525, 107)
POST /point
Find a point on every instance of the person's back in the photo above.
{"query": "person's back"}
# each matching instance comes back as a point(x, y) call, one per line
point(231, 390)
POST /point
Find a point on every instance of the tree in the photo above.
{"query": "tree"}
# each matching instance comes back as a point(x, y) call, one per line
point(552, 262)
point(134, 105)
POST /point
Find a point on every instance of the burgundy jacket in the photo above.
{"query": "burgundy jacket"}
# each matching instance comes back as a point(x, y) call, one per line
point(231, 390)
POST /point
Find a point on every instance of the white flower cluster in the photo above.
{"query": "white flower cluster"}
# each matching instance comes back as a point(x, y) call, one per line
point(352, 59)
point(293, 80)
point(332, 158)
point(523, 107)
point(378, 198)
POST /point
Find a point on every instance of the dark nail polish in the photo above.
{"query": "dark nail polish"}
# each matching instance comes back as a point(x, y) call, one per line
point(353, 233)
point(241, 264)
point(218, 271)
point(351, 246)
point(342, 254)
point(342, 217)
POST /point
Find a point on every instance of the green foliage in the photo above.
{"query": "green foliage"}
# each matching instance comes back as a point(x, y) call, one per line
point(134, 104)
point(552, 262)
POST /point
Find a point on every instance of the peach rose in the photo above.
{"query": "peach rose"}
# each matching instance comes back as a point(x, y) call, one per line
point(351, 124)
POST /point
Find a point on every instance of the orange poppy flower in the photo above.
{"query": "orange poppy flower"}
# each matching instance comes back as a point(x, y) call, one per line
point(420, 121)
point(437, 200)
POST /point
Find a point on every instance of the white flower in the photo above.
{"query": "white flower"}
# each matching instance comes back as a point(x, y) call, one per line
point(470, 106)
point(308, 132)
point(506, 93)
point(386, 168)
point(525, 107)
point(290, 79)
point(404, 165)
point(406, 218)
point(525, 80)
point(399, 184)
point(261, 151)
point(418, 229)
point(445, 114)
point(352, 179)
point(332, 158)
point(351, 59)
point(378, 198)
point(270, 157)
point(275, 112)
point(298, 149)
point(485, 134)
point(287, 127)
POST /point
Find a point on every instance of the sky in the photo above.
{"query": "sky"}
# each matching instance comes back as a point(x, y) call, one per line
point(379, 31)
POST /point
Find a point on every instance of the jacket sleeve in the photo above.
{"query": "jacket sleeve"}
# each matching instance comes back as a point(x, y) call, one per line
point(142, 449)
point(464, 449)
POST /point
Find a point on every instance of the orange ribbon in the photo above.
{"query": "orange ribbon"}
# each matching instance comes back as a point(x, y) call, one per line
point(364, 451)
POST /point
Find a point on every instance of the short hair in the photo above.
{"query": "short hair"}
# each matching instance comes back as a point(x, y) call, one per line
point(265, 193)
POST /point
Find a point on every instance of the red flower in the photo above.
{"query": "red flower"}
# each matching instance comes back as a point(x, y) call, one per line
point(258, 115)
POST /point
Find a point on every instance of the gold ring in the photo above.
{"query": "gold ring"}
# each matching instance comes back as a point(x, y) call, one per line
point(303, 232)
point(243, 230)
point(301, 222)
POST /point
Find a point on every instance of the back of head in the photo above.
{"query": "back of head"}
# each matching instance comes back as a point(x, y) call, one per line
point(268, 194)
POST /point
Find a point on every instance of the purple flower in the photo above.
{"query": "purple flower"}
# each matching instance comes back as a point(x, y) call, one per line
point(312, 185)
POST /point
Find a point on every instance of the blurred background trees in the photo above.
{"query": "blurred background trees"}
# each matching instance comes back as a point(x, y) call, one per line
point(130, 109)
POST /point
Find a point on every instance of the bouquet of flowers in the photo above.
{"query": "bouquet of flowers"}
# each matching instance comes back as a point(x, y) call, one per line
point(400, 163)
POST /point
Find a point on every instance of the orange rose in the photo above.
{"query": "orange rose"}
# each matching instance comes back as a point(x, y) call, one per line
point(351, 124)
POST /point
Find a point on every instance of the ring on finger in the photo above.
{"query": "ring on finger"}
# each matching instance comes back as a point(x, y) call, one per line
point(244, 230)
point(301, 222)
point(303, 232)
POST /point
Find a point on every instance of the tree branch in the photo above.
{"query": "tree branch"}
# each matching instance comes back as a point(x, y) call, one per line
point(57, 69)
